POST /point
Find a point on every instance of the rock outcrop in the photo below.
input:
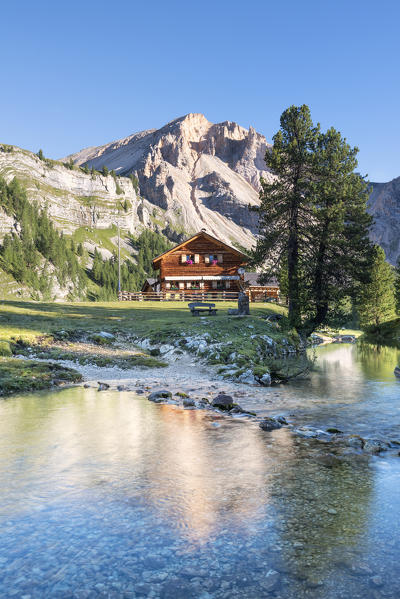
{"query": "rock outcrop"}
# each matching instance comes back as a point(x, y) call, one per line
point(73, 198)
point(384, 205)
point(197, 173)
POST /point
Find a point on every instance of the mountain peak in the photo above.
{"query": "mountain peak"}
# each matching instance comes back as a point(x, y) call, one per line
point(200, 174)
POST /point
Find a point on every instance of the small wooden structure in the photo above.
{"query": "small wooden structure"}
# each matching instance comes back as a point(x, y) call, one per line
point(150, 286)
point(197, 307)
point(260, 292)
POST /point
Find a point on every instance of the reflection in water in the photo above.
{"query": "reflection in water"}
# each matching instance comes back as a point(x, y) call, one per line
point(106, 494)
point(377, 361)
point(353, 388)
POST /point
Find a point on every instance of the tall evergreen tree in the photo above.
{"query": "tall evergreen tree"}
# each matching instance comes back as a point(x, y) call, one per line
point(376, 300)
point(312, 218)
point(397, 285)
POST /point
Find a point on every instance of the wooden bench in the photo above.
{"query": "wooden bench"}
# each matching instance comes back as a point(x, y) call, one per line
point(197, 307)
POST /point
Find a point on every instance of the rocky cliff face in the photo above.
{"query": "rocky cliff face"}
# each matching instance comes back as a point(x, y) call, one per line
point(73, 199)
point(197, 173)
point(384, 205)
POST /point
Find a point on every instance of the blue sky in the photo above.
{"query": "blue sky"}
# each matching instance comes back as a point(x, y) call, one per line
point(76, 74)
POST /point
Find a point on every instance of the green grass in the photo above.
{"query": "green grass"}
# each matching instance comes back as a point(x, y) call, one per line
point(355, 332)
point(58, 331)
point(9, 287)
point(26, 375)
point(387, 333)
point(30, 320)
point(101, 238)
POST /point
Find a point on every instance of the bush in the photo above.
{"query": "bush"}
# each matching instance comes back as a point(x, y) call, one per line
point(5, 349)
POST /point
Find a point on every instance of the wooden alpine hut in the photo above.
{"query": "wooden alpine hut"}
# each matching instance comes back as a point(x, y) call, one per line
point(201, 263)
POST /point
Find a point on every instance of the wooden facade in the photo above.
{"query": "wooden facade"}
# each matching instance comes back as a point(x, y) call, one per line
point(261, 292)
point(202, 263)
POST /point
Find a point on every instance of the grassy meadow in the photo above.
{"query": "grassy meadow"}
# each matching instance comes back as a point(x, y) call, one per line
point(30, 320)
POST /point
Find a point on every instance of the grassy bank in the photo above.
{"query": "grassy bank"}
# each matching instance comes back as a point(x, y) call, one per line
point(387, 333)
point(30, 320)
point(70, 331)
point(19, 376)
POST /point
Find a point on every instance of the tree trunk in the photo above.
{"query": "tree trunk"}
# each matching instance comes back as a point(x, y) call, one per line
point(293, 266)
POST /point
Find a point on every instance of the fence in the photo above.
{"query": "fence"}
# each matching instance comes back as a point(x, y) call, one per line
point(174, 296)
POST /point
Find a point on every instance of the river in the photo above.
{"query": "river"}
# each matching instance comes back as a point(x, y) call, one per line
point(109, 495)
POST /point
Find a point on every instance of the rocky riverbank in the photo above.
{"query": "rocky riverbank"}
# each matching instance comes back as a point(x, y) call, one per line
point(238, 401)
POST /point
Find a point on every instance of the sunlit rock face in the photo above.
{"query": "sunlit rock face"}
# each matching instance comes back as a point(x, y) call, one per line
point(73, 198)
point(192, 174)
point(198, 173)
point(384, 205)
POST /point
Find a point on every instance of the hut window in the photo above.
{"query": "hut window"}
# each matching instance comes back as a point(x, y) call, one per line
point(168, 285)
point(220, 258)
point(227, 284)
point(183, 259)
point(213, 259)
point(196, 258)
point(181, 285)
point(214, 284)
point(190, 259)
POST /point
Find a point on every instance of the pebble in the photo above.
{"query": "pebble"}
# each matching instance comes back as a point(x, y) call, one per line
point(377, 581)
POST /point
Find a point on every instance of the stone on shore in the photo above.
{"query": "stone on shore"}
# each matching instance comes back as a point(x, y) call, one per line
point(269, 424)
point(222, 401)
point(159, 396)
point(265, 379)
point(188, 402)
point(102, 386)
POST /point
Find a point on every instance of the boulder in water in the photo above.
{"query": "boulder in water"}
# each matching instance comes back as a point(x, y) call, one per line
point(158, 396)
point(222, 401)
point(102, 386)
point(269, 424)
point(188, 402)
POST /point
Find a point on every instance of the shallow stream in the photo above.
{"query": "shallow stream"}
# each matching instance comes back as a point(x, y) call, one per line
point(109, 495)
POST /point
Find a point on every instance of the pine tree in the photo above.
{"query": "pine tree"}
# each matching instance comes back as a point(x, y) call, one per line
point(27, 255)
point(376, 303)
point(397, 285)
point(312, 218)
point(40, 155)
point(105, 171)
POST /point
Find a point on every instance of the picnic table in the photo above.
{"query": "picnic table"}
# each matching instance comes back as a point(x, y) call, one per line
point(197, 308)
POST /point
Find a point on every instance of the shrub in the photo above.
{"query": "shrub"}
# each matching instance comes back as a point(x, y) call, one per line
point(5, 349)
